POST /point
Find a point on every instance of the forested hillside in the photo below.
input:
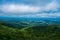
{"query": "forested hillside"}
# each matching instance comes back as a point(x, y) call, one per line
point(31, 32)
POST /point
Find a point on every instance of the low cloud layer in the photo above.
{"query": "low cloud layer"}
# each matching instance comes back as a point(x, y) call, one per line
point(14, 8)
point(29, 8)
point(40, 11)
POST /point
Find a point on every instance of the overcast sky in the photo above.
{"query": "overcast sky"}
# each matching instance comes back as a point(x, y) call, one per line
point(30, 8)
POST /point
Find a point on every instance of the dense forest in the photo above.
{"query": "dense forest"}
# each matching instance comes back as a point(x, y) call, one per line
point(29, 31)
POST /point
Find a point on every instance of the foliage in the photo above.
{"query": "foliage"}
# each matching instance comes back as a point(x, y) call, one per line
point(30, 32)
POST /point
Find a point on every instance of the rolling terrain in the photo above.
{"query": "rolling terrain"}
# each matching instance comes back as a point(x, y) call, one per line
point(36, 30)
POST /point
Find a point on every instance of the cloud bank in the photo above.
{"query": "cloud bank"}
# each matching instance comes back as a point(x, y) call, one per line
point(29, 8)
point(38, 11)
point(13, 8)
